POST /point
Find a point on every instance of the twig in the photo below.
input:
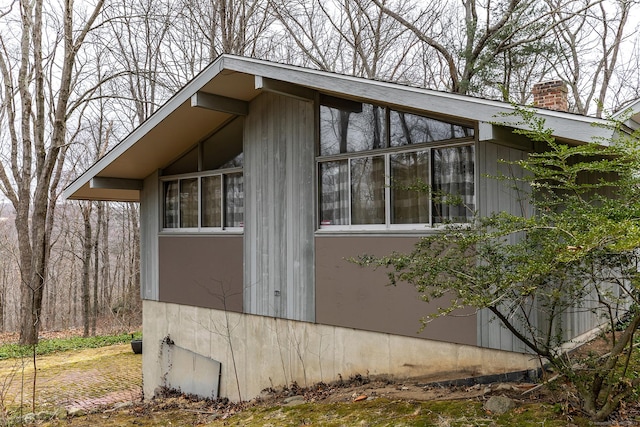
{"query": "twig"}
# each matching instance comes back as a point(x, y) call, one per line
point(550, 380)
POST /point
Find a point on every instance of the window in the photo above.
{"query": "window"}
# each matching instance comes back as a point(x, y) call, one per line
point(372, 162)
point(188, 203)
point(171, 204)
point(227, 210)
point(367, 190)
point(234, 201)
point(345, 131)
point(211, 201)
point(453, 184)
point(410, 129)
point(207, 199)
point(406, 169)
point(204, 202)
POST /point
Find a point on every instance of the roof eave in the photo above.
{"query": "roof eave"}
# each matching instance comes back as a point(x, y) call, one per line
point(162, 113)
point(567, 127)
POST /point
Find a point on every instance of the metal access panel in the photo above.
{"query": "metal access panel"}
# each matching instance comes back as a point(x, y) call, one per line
point(189, 372)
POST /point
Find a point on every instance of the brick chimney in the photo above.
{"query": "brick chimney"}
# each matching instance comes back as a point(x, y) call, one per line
point(551, 95)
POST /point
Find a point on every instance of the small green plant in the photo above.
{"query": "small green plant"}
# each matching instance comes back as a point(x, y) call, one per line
point(47, 346)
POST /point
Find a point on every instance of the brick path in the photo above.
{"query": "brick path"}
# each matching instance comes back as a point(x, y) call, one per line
point(83, 379)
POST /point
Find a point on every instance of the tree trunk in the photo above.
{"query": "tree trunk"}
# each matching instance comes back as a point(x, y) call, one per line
point(96, 271)
point(106, 266)
point(32, 273)
point(3, 298)
point(86, 267)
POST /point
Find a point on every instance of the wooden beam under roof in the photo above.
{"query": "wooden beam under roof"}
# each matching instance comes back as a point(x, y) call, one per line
point(341, 103)
point(284, 88)
point(115, 183)
point(220, 103)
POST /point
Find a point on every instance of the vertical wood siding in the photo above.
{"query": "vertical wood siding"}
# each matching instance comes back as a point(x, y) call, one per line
point(149, 226)
point(279, 155)
point(497, 196)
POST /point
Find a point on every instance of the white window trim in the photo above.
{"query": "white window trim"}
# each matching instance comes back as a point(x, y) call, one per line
point(199, 229)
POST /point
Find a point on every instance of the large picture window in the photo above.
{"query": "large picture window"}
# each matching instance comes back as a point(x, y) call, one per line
point(384, 169)
point(204, 189)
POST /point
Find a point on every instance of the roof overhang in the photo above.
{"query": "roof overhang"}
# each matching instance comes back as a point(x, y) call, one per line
point(226, 87)
point(630, 115)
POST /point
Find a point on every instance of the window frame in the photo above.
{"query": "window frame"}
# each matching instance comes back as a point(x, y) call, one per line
point(223, 202)
point(386, 152)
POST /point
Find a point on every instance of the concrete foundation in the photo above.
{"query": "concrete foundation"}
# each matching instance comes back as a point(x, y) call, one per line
point(257, 352)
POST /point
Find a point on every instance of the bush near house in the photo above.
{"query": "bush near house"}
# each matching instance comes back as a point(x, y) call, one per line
point(578, 252)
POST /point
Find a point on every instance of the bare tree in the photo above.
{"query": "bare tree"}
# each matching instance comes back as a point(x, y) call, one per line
point(309, 34)
point(591, 40)
point(203, 30)
point(227, 26)
point(500, 49)
point(95, 311)
point(38, 66)
point(140, 31)
point(6, 270)
point(471, 38)
point(347, 36)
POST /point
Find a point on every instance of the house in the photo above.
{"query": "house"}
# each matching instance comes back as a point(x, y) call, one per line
point(256, 182)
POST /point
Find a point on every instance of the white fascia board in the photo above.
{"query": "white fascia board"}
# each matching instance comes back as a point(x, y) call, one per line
point(167, 108)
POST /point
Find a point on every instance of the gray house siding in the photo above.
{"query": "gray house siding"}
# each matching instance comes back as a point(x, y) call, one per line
point(498, 196)
point(279, 171)
point(149, 226)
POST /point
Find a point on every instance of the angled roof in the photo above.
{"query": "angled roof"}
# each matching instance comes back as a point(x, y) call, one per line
point(177, 126)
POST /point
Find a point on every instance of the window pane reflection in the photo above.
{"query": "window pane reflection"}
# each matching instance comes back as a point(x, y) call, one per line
point(409, 129)
point(334, 193)
point(347, 131)
point(409, 205)
point(234, 200)
point(171, 204)
point(453, 176)
point(367, 190)
point(189, 202)
point(211, 201)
